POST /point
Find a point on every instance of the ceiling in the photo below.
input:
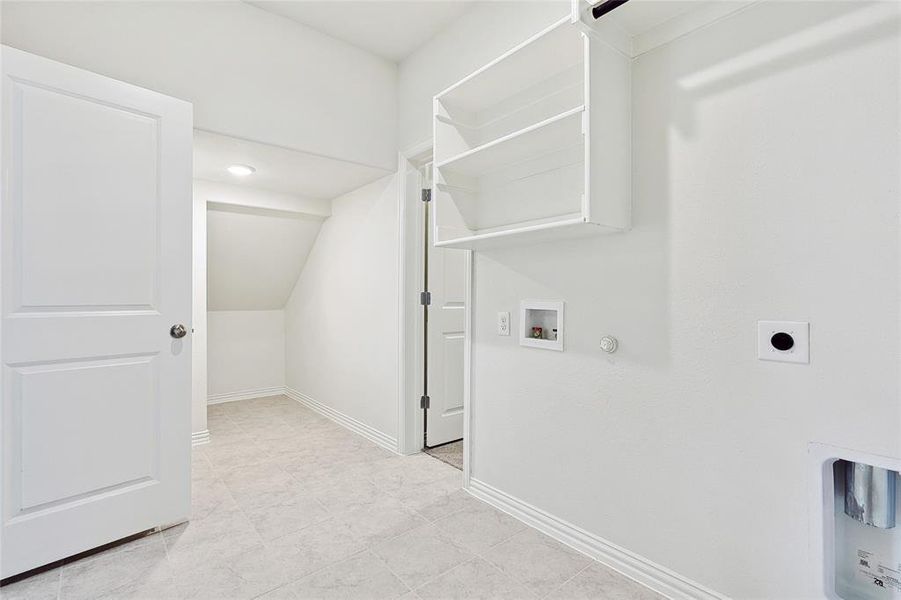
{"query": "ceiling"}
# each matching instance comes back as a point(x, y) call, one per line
point(254, 257)
point(278, 169)
point(394, 29)
point(390, 29)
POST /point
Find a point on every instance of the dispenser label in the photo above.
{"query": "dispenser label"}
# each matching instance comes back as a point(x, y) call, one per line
point(877, 572)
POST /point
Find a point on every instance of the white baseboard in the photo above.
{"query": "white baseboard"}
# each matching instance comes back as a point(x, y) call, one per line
point(658, 578)
point(245, 395)
point(374, 435)
point(200, 437)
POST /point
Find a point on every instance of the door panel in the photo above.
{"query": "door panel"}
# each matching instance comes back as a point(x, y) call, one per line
point(446, 334)
point(452, 366)
point(95, 202)
point(96, 267)
point(65, 463)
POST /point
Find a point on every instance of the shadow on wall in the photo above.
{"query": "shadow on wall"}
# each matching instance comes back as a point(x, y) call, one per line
point(783, 39)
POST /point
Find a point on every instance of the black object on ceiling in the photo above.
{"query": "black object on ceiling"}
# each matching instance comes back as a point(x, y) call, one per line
point(603, 8)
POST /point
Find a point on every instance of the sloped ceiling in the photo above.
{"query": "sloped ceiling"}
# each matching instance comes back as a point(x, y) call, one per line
point(260, 228)
point(392, 29)
point(254, 256)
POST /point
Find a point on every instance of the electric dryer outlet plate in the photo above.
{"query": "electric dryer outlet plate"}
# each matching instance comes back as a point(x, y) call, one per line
point(783, 341)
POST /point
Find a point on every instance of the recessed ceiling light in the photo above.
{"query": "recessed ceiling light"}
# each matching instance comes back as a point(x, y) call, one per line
point(241, 170)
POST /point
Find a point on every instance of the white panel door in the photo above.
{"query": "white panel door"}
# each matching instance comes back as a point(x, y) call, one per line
point(95, 249)
point(446, 333)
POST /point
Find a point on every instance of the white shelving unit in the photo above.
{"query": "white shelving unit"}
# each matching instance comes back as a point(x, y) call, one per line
point(535, 145)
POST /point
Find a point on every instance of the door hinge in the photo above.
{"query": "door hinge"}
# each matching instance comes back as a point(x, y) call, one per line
point(425, 298)
point(427, 195)
point(424, 402)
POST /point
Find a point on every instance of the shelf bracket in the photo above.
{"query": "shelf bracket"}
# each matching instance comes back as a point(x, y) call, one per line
point(599, 10)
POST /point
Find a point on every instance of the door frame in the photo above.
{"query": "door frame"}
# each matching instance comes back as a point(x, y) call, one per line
point(410, 319)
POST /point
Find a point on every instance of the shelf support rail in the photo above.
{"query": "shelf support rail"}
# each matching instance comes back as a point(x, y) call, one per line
point(599, 10)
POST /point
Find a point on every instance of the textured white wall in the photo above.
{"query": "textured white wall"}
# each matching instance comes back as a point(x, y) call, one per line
point(766, 184)
point(341, 318)
point(246, 350)
point(249, 73)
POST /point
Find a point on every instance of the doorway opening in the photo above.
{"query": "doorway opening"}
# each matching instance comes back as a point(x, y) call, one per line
point(443, 304)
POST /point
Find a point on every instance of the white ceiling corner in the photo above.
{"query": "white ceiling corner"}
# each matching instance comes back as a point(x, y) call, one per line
point(391, 29)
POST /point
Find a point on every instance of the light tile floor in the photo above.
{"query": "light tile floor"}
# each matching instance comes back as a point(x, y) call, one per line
point(288, 505)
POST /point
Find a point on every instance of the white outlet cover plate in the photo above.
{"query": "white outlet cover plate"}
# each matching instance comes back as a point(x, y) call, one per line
point(503, 323)
point(799, 330)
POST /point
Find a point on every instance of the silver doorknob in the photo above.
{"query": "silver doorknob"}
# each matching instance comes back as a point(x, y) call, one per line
point(178, 331)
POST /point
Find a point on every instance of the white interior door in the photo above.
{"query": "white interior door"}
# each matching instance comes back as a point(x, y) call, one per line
point(445, 344)
point(96, 268)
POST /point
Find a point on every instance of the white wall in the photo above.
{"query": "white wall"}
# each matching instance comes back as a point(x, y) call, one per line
point(255, 244)
point(766, 158)
point(246, 351)
point(341, 318)
point(249, 73)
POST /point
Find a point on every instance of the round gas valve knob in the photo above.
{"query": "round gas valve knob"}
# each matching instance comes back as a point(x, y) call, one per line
point(609, 344)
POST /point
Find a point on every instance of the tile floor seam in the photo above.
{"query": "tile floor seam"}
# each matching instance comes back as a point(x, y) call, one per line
point(367, 550)
point(450, 514)
point(441, 574)
point(390, 570)
point(451, 570)
point(591, 560)
point(479, 553)
point(501, 571)
point(315, 572)
point(241, 510)
point(579, 572)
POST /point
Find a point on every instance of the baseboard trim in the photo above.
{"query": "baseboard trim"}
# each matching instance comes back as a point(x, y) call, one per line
point(245, 395)
point(374, 435)
point(200, 437)
point(658, 578)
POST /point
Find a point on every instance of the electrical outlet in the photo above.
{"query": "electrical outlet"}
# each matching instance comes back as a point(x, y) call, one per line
point(503, 323)
point(783, 341)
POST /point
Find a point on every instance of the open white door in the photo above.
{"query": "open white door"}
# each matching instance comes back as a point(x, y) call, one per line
point(96, 269)
point(446, 273)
